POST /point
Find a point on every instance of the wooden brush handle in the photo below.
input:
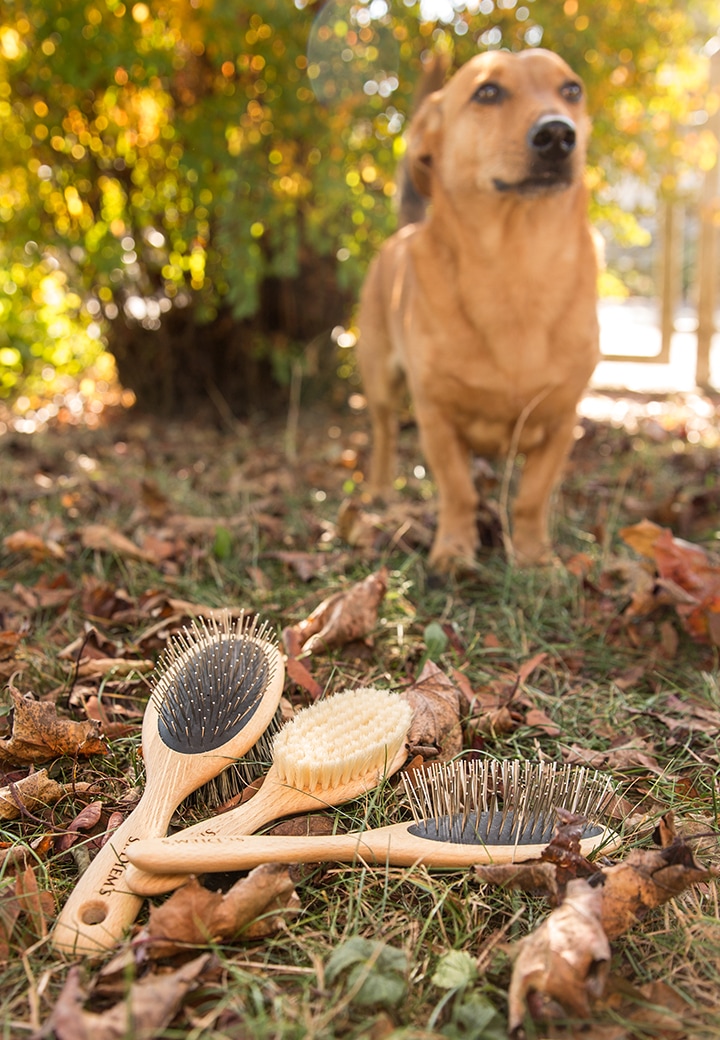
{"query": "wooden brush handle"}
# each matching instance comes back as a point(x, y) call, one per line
point(101, 907)
point(273, 801)
point(393, 844)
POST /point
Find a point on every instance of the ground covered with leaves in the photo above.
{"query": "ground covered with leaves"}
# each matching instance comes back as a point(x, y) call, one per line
point(115, 538)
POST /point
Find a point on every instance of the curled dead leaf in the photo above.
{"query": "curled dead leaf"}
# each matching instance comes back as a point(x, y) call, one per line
point(646, 879)
point(103, 538)
point(564, 961)
point(435, 731)
point(341, 618)
point(195, 915)
point(39, 734)
point(31, 793)
point(687, 577)
point(528, 877)
point(143, 1011)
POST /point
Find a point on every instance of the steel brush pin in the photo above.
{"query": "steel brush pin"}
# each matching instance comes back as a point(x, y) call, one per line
point(501, 802)
point(216, 689)
point(463, 813)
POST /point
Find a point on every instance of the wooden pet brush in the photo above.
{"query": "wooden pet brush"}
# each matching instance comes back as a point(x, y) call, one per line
point(335, 750)
point(463, 813)
point(216, 690)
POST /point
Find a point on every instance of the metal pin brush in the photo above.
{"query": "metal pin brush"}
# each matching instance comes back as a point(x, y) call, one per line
point(335, 750)
point(216, 689)
point(463, 813)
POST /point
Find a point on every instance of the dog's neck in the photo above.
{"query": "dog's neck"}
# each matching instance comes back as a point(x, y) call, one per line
point(487, 224)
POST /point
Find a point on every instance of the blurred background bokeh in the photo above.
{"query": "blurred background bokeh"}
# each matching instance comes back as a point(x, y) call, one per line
point(190, 191)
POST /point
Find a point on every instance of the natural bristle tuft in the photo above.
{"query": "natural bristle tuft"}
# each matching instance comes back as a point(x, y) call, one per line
point(211, 680)
point(348, 736)
point(500, 802)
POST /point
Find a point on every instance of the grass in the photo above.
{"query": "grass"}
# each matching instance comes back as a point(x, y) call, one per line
point(605, 681)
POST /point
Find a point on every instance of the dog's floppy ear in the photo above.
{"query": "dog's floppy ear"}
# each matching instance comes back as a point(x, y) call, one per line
point(422, 140)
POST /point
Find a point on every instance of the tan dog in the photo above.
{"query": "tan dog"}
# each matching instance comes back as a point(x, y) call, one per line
point(488, 306)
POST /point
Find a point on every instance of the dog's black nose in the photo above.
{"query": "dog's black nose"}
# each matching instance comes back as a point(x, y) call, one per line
point(552, 137)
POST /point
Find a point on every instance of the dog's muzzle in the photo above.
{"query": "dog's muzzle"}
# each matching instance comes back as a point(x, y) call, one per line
point(551, 142)
point(552, 138)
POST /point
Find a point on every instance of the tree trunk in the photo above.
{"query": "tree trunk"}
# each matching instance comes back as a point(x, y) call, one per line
point(229, 367)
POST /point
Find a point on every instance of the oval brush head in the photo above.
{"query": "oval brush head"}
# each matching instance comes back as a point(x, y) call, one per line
point(216, 689)
point(348, 735)
point(197, 664)
point(507, 802)
point(330, 752)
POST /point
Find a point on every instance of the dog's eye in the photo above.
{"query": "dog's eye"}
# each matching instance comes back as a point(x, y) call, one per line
point(488, 94)
point(571, 91)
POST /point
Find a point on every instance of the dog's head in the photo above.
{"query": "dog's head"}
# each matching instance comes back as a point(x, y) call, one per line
point(505, 124)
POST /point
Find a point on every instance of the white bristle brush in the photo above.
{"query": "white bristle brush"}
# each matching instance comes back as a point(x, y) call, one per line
point(331, 752)
point(464, 813)
point(217, 688)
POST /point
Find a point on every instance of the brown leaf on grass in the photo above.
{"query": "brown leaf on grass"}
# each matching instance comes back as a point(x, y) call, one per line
point(656, 1009)
point(103, 538)
point(302, 675)
point(538, 719)
point(435, 731)
point(646, 879)
point(688, 577)
point(307, 565)
point(31, 793)
point(9, 642)
point(564, 961)
point(100, 667)
point(196, 915)
point(28, 543)
point(46, 595)
point(560, 862)
point(144, 1011)
point(23, 899)
point(629, 753)
point(534, 876)
point(340, 618)
point(86, 819)
point(39, 734)
point(102, 599)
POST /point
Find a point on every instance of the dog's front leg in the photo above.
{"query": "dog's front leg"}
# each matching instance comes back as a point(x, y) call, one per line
point(448, 456)
point(541, 473)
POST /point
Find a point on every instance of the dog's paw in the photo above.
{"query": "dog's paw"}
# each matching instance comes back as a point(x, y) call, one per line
point(453, 561)
point(535, 556)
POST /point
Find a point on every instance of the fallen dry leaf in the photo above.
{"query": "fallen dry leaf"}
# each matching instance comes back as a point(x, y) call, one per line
point(143, 1013)
point(86, 819)
point(30, 793)
point(340, 618)
point(687, 577)
point(435, 731)
point(564, 961)
point(534, 877)
point(301, 674)
point(28, 543)
point(103, 538)
point(24, 899)
point(306, 565)
point(99, 667)
point(39, 734)
point(646, 879)
point(194, 914)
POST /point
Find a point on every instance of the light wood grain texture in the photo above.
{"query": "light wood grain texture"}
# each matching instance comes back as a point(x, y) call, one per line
point(393, 845)
point(101, 906)
point(274, 800)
